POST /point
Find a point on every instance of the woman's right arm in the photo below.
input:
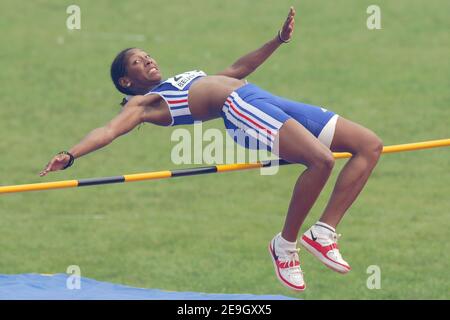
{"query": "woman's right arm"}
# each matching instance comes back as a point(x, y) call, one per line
point(131, 116)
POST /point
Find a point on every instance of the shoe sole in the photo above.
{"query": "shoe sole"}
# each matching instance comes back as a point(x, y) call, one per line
point(330, 264)
point(279, 276)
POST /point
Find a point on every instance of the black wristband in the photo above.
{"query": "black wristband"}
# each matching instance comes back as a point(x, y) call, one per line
point(281, 39)
point(71, 161)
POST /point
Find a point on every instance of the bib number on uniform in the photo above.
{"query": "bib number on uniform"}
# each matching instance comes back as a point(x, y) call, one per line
point(181, 80)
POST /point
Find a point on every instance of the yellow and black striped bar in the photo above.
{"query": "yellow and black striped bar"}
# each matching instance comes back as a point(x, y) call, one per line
point(197, 171)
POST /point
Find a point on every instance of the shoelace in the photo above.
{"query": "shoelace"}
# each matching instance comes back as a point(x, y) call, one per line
point(335, 238)
point(290, 258)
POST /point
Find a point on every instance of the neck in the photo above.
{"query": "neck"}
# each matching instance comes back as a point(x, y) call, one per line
point(145, 89)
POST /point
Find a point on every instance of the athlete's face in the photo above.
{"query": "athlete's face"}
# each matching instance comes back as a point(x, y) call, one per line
point(142, 71)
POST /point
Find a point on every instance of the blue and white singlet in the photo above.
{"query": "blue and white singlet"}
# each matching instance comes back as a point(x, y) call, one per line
point(175, 92)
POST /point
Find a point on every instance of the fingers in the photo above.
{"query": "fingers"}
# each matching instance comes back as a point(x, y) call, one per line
point(52, 165)
point(291, 12)
point(290, 19)
point(43, 172)
point(290, 23)
point(288, 26)
point(47, 168)
point(57, 163)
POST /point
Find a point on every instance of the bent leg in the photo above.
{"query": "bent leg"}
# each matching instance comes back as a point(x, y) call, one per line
point(366, 149)
point(298, 145)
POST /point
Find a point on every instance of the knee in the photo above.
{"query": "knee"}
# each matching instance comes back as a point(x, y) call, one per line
point(373, 148)
point(323, 161)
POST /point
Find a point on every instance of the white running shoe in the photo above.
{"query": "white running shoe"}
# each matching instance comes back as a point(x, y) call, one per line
point(287, 265)
point(321, 241)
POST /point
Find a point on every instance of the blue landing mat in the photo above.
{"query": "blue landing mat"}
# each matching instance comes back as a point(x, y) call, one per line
point(54, 287)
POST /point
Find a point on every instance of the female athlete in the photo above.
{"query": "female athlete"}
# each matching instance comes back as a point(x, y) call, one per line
point(296, 132)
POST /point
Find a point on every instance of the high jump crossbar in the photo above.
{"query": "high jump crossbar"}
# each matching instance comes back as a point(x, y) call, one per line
point(200, 170)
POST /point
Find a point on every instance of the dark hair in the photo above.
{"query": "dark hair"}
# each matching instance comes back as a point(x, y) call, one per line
point(119, 70)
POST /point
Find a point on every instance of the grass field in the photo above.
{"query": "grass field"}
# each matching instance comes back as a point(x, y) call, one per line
point(210, 233)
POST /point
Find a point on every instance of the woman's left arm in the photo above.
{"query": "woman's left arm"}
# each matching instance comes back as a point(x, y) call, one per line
point(251, 61)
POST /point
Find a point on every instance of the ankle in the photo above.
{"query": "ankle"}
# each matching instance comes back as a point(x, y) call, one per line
point(282, 243)
point(326, 228)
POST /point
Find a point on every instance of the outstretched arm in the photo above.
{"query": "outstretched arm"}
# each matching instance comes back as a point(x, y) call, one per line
point(251, 61)
point(132, 115)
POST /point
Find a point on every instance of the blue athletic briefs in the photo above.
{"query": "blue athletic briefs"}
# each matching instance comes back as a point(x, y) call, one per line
point(259, 115)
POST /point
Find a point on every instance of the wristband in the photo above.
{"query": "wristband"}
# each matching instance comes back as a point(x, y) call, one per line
point(281, 39)
point(71, 161)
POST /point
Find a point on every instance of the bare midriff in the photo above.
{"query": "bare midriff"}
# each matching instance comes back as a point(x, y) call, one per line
point(207, 96)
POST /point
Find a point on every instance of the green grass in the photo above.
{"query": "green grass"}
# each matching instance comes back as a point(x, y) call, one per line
point(210, 233)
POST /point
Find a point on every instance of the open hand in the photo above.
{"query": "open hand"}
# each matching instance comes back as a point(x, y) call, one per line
point(288, 26)
point(57, 163)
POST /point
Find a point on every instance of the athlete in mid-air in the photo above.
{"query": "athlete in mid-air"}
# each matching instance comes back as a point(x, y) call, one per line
point(294, 131)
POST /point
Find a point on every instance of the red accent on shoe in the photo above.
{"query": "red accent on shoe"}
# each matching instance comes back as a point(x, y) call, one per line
point(282, 265)
point(324, 249)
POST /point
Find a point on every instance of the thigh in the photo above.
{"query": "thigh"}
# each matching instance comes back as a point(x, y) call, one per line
point(312, 117)
point(350, 136)
point(294, 143)
point(252, 120)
